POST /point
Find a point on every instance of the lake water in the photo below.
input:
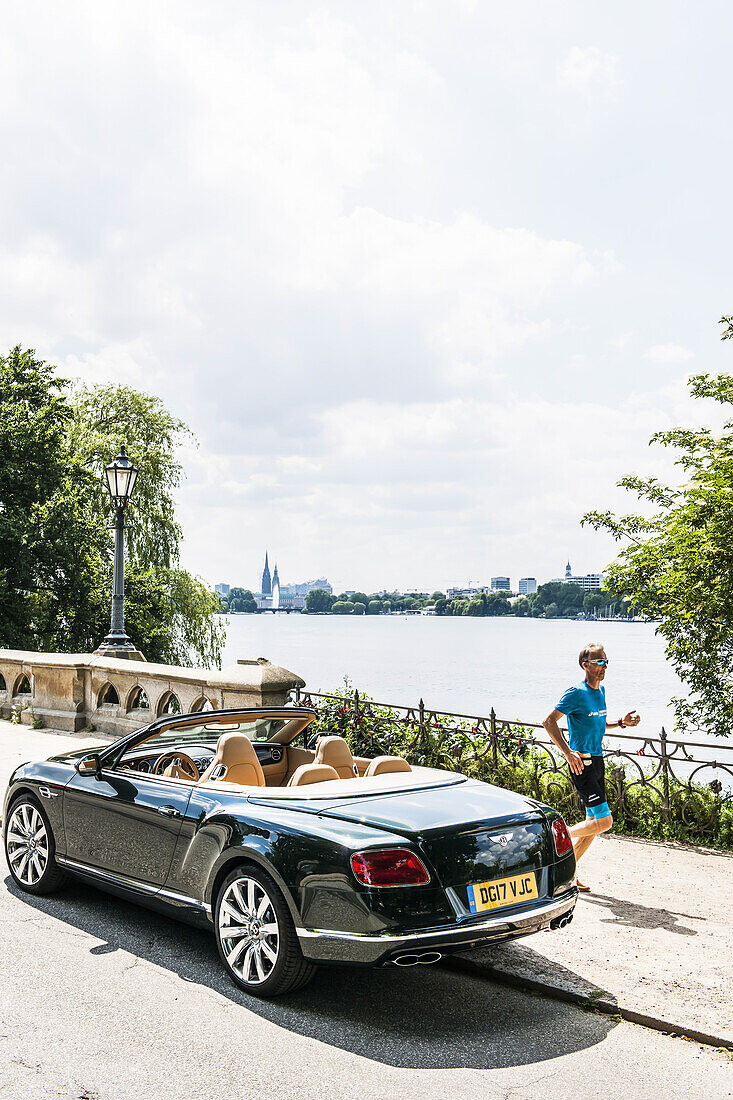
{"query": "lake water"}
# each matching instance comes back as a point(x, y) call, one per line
point(519, 666)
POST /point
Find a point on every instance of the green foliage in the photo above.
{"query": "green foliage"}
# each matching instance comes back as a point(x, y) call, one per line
point(697, 813)
point(103, 418)
point(238, 600)
point(678, 566)
point(318, 601)
point(342, 607)
point(56, 543)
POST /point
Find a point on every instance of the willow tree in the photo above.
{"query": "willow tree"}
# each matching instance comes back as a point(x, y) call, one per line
point(677, 564)
point(55, 520)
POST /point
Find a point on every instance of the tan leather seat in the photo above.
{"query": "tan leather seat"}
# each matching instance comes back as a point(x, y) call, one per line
point(336, 753)
point(312, 773)
point(235, 761)
point(381, 764)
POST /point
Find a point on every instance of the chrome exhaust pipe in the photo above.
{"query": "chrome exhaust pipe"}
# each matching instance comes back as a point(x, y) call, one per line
point(561, 922)
point(426, 958)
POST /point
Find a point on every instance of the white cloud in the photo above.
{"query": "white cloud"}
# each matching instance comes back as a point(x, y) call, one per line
point(364, 253)
point(418, 492)
point(668, 353)
point(587, 71)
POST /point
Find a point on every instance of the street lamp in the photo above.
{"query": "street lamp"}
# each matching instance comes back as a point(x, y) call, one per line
point(121, 476)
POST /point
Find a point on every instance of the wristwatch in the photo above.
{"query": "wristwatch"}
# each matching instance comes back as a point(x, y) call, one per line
point(621, 723)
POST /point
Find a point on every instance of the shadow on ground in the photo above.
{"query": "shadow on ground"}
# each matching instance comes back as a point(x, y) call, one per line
point(641, 916)
point(422, 1017)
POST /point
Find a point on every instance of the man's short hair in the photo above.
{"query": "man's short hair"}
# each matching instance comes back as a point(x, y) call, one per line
point(586, 651)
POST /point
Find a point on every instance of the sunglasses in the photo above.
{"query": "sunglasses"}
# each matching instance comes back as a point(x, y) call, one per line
point(602, 661)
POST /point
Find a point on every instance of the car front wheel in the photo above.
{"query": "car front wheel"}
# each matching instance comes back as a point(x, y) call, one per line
point(30, 848)
point(256, 936)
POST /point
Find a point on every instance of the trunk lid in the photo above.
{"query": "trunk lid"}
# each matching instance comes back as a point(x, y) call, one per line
point(470, 834)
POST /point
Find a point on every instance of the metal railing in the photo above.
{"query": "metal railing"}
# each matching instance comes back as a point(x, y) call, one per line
point(650, 779)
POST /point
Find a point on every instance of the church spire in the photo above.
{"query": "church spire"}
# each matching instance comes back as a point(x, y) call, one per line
point(275, 577)
point(266, 582)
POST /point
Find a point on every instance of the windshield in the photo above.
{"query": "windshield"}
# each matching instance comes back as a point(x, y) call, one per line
point(204, 734)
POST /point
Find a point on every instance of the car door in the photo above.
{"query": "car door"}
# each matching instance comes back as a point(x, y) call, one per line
point(125, 823)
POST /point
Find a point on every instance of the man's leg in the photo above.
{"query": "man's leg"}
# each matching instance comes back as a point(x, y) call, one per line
point(582, 844)
point(584, 833)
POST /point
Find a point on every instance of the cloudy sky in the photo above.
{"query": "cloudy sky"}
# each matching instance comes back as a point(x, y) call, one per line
point(423, 277)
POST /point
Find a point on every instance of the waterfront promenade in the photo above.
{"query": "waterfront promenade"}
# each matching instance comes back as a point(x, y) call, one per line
point(653, 939)
point(100, 998)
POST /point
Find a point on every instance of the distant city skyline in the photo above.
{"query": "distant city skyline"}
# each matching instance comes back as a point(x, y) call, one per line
point(523, 586)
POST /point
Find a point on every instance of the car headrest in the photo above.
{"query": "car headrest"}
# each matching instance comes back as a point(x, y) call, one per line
point(312, 773)
point(381, 764)
point(235, 761)
point(336, 753)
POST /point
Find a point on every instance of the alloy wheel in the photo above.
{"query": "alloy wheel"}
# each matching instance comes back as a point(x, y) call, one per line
point(27, 844)
point(249, 930)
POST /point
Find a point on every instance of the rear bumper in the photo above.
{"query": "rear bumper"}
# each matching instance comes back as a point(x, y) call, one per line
point(327, 945)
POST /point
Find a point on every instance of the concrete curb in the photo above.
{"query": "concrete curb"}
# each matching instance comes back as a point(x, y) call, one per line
point(597, 999)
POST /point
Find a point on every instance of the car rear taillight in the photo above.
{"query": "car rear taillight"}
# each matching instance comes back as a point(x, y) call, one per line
point(389, 867)
point(561, 836)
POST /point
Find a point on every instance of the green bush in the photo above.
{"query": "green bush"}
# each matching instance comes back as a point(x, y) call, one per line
point(698, 813)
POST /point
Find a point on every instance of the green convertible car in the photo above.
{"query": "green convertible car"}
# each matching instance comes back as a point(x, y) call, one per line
point(297, 855)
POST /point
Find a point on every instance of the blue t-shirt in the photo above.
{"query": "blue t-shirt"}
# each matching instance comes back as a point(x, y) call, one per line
point(585, 709)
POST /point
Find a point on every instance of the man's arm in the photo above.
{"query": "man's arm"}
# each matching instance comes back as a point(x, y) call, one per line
point(630, 719)
point(574, 759)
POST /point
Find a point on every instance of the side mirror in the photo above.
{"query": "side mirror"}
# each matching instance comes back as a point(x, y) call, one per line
point(89, 765)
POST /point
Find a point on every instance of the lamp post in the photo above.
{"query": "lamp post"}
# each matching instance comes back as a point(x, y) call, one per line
point(121, 476)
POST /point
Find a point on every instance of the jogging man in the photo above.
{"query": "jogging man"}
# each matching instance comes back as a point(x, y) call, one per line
point(584, 706)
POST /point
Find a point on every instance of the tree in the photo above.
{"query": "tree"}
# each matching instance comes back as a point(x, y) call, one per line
point(55, 520)
point(437, 595)
point(678, 564)
point(359, 597)
point(241, 600)
point(342, 607)
point(49, 553)
point(565, 599)
point(375, 607)
point(318, 601)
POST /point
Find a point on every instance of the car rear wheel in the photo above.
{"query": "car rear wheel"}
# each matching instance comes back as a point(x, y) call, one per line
point(256, 936)
point(30, 848)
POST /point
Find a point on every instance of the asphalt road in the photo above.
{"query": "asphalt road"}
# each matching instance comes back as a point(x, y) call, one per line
point(103, 1000)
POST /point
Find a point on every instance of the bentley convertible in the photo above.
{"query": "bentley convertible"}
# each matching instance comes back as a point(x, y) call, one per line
point(296, 852)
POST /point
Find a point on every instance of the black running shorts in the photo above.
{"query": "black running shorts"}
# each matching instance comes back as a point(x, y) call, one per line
point(591, 785)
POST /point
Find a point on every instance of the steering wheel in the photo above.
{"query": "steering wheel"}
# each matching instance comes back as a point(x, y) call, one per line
point(181, 766)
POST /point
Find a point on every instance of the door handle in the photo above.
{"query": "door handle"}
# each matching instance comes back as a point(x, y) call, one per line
point(169, 811)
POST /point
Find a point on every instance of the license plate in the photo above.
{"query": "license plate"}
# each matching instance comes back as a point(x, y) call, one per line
point(502, 891)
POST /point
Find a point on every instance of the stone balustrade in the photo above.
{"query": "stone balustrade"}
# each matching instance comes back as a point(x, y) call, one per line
point(73, 691)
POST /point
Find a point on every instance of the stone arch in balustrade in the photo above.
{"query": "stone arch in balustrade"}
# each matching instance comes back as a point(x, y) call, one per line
point(202, 703)
point(137, 699)
point(108, 695)
point(169, 703)
point(22, 685)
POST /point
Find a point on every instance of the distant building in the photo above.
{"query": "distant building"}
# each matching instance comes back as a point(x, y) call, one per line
point(452, 593)
point(222, 589)
point(274, 596)
point(501, 584)
point(307, 586)
point(266, 585)
point(589, 583)
point(527, 585)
